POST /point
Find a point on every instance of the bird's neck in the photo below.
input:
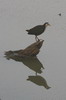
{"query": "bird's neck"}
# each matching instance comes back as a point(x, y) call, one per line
point(44, 26)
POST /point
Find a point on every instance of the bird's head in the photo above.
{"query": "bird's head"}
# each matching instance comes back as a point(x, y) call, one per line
point(46, 24)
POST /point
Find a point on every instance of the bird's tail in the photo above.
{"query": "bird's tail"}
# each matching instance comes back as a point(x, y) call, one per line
point(27, 30)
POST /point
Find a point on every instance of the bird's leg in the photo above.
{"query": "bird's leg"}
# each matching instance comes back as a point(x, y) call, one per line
point(36, 38)
point(36, 73)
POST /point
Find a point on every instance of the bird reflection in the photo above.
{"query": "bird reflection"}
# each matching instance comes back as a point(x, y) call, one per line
point(31, 62)
point(39, 80)
point(34, 64)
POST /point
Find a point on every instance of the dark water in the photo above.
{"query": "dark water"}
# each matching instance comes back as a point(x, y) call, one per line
point(18, 79)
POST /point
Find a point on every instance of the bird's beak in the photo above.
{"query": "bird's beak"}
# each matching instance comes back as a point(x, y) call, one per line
point(49, 25)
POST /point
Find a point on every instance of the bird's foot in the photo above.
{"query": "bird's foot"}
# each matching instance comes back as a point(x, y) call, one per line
point(39, 40)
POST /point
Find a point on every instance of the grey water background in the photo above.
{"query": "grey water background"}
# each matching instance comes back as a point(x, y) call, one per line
point(15, 17)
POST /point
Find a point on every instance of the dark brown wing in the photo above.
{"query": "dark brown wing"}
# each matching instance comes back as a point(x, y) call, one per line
point(37, 30)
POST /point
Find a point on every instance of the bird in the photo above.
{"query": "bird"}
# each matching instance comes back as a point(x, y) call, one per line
point(37, 30)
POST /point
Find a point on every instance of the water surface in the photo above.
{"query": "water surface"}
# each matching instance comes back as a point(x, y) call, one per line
point(17, 81)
